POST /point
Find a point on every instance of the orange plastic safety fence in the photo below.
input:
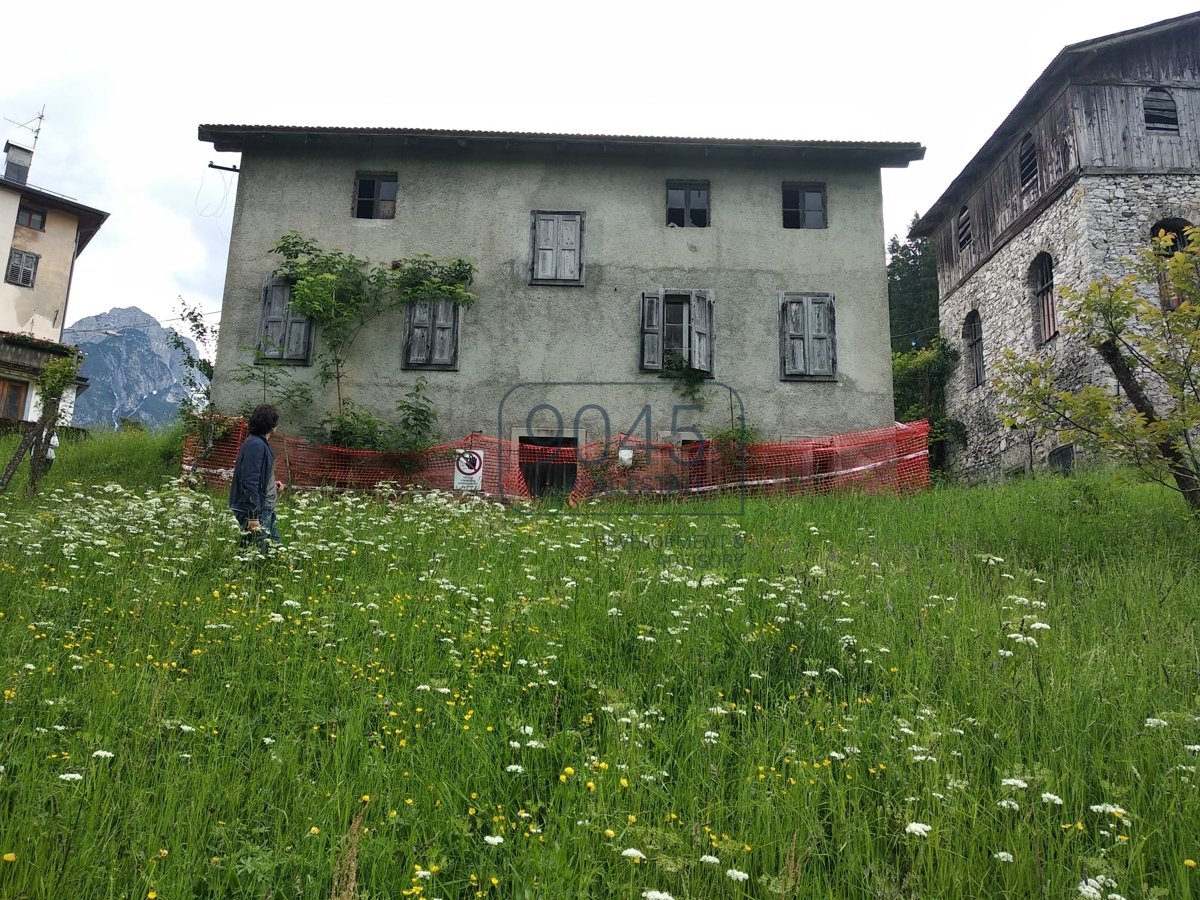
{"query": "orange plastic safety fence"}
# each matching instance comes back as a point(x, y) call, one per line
point(894, 459)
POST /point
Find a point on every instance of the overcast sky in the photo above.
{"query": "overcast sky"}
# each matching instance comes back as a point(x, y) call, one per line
point(124, 86)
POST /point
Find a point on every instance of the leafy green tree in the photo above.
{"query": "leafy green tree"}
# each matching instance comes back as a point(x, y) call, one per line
point(343, 292)
point(912, 293)
point(1146, 328)
point(919, 384)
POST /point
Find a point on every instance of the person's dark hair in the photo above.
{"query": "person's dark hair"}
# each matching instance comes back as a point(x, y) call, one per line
point(263, 419)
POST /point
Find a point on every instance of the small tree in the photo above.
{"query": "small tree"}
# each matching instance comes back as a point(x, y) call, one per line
point(912, 292)
point(343, 293)
point(919, 384)
point(196, 407)
point(57, 375)
point(1152, 348)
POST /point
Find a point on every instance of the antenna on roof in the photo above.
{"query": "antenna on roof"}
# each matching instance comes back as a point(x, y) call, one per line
point(29, 126)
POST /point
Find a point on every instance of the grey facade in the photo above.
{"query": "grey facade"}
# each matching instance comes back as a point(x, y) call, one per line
point(569, 236)
point(1103, 150)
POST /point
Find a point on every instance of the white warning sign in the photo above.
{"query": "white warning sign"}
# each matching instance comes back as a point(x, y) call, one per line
point(468, 470)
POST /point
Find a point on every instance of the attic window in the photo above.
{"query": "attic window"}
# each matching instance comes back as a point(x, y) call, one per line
point(687, 204)
point(1161, 114)
point(962, 229)
point(375, 195)
point(32, 218)
point(1027, 162)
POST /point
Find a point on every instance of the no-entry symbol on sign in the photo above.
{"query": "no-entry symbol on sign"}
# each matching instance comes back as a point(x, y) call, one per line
point(468, 470)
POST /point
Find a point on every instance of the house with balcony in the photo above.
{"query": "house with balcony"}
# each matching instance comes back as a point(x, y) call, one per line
point(45, 232)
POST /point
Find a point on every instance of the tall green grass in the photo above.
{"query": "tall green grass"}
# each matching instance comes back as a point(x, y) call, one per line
point(791, 692)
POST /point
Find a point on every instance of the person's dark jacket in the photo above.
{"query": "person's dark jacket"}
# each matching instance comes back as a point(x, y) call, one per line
point(252, 473)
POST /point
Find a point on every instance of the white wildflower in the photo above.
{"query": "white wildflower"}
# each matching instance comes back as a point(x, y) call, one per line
point(1157, 723)
point(1003, 856)
point(1009, 804)
point(710, 860)
point(918, 828)
point(736, 875)
point(1015, 783)
point(493, 839)
point(633, 853)
point(70, 776)
point(1054, 799)
point(102, 754)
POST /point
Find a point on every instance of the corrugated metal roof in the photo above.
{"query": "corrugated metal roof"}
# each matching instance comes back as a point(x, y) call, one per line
point(229, 136)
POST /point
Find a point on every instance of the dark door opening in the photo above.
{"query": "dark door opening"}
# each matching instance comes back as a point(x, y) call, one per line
point(547, 471)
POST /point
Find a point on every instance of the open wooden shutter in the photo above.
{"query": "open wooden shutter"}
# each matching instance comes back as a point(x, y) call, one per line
point(445, 337)
point(792, 319)
point(821, 350)
point(652, 332)
point(701, 316)
point(419, 339)
point(15, 258)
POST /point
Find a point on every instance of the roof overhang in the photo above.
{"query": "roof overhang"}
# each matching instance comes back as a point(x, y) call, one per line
point(89, 219)
point(238, 138)
point(1047, 86)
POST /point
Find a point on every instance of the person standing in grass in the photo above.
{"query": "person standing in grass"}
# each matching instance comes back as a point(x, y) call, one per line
point(254, 490)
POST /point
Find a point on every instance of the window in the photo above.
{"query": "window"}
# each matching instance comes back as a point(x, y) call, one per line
point(1061, 459)
point(687, 204)
point(962, 229)
point(1041, 282)
point(803, 205)
point(973, 339)
point(548, 464)
point(1161, 115)
point(283, 336)
point(677, 331)
point(1027, 163)
point(32, 218)
point(375, 196)
point(806, 336)
point(12, 398)
point(557, 247)
point(22, 268)
point(431, 335)
point(1174, 230)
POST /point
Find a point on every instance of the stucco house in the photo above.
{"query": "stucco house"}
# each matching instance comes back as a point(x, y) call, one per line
point(45, 233)
point(757, 263)
point(1101, 153)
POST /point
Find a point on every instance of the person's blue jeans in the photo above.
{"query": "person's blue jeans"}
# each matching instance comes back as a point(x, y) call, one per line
point(267, 532)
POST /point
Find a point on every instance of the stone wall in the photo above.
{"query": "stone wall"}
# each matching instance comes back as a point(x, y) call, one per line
point(1089, 231)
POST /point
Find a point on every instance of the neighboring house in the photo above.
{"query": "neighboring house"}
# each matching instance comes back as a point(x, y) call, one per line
point(44, 233)
point(756, 263)
point(1101, 153)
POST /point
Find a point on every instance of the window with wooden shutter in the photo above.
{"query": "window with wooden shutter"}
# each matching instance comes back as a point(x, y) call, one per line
point(22, 268)
point(557, 256)
point(973, 342)
point(283, 335)
point(431, 335)
point(652, 332)
point(1161, 114)
point(807, 336)
point(701, 342)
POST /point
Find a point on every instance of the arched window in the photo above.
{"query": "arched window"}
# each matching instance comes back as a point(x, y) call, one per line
point(973, 343)
point(1027, 163)
point(1041, 283)
point(962, 229)
point(1161, 114)
point(1173, 229)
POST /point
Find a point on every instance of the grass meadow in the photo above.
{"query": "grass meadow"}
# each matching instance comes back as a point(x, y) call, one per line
point(985, 692)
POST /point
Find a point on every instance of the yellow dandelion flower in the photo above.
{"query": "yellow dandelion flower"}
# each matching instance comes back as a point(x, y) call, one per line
point(314, 830)
point(1190, 863)
point(12, 857)
point(365, 798)
point(610, 834)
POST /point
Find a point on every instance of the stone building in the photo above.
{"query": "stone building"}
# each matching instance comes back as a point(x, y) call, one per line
point(596, 258)
point(1102, 152)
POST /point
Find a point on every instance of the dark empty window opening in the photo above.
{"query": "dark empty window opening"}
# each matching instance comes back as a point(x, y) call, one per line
point(687, 204)
point(1027, 161)
point(677, 321)
point(973, 339)
point(1161, 114)
point(1173, 230)
point(1041, 279)
point(548, 464)
point(375, 197)
point(803, 205)
point(32, 218)
point(1062, 459)
point(963, 228)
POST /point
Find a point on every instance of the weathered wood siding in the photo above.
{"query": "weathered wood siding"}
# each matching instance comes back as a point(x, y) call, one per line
point(1097, 123)
point(999, 201)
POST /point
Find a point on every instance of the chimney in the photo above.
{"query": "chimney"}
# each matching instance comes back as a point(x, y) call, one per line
point(17, 162)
